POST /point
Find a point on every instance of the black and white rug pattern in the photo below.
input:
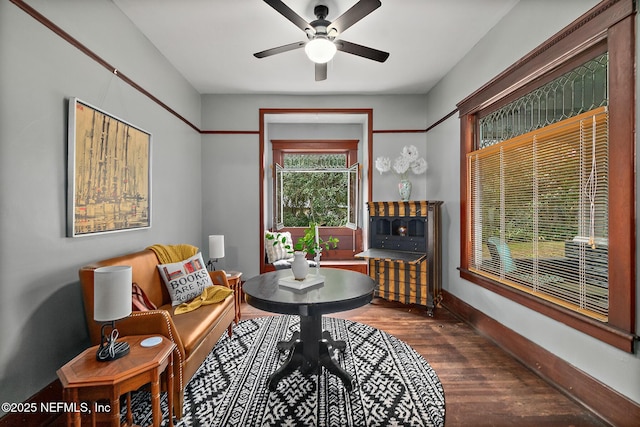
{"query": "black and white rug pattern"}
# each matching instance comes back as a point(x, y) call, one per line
point(394, 385)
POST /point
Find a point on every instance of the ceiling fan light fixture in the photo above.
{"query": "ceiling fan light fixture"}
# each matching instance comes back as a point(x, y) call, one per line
point(320, 50)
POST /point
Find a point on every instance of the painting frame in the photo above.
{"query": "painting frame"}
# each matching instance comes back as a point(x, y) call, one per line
point(108, 173)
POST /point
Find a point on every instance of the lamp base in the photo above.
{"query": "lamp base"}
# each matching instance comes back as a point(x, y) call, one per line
point(105, 354)
point(210, 264)
point(109, 348)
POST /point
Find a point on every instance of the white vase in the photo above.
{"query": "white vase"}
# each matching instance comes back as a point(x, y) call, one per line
point(299, 266)
point(404, 187)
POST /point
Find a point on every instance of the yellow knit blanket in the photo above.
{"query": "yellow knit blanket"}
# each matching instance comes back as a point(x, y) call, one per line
point(173, 253)
point(211, 295)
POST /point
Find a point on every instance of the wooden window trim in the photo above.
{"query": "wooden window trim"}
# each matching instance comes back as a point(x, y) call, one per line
point(611, 24)
point(282, 146)
point(575, 61)
point(366, 193)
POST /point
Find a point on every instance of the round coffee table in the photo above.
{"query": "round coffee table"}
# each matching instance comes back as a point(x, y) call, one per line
point(310, 348)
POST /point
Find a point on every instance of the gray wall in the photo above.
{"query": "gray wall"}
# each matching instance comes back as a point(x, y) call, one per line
point(502, 46)
point(41, 310)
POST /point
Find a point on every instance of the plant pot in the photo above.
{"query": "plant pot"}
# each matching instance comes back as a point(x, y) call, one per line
point(300, 266)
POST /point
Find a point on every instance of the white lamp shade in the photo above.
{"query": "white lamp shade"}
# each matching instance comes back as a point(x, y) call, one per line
point(112, 293)
point(320, 50)
point(216, 246)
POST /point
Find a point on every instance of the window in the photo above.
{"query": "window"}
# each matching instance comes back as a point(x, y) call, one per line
point(316, 187)
point(541, 143)
point(539, 205)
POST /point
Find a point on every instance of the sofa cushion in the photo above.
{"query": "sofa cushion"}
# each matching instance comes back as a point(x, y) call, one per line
point(194, 326)
point(186, 279)
point(275, 249)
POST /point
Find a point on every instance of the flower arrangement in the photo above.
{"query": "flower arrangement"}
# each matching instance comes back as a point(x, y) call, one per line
point(408, 160)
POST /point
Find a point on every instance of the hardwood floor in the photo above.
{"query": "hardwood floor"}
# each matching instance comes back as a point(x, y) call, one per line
point(483, 385)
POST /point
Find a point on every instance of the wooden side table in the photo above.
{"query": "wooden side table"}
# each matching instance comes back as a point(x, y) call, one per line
point(234, 279)
point(86, 379)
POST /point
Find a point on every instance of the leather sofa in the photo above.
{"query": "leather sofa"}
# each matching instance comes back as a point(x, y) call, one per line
point(195, 333)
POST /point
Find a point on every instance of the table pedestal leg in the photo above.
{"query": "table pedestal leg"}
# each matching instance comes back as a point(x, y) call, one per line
point(288, 345)
point(310, 335)
point(329, 362)
point(294, 361)
point(308, 350)
point(337, 344)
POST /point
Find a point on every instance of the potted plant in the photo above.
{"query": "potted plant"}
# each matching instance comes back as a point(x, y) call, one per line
point(310, 243)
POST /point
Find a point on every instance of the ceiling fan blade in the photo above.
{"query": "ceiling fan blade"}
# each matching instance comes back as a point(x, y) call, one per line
point(288, 13)
point(363, 51)
point(321, 72)
point(279, 49)
point(353, 15)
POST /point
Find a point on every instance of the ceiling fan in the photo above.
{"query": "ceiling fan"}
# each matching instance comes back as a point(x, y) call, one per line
point(323, 35)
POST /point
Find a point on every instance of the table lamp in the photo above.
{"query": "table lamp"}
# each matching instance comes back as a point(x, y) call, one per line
point(111, 302)
point(216, 249)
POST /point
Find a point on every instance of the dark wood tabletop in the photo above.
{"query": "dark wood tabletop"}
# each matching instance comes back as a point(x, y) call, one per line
point(342, 290)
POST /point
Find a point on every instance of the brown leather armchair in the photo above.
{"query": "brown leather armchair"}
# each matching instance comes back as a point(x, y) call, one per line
point(195, 333)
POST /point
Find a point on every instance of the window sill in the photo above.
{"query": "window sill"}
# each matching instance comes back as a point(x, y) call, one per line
point(601, 331)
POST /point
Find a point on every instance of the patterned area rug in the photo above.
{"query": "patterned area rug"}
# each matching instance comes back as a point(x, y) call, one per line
point(394, 385)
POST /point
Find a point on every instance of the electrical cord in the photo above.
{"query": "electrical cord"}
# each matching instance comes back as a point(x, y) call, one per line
point(109, 348)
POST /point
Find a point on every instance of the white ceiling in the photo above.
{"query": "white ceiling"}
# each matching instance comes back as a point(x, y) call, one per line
point(212, 42)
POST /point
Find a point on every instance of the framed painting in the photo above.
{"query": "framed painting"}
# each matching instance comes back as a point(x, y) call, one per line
point(109, 173)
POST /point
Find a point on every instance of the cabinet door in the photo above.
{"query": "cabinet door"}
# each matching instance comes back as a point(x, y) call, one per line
point(400, 281)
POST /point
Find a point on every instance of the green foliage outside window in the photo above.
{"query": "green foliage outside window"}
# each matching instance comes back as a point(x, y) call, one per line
point(312, 193)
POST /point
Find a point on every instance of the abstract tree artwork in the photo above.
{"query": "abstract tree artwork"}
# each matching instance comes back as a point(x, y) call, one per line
point(109, 173)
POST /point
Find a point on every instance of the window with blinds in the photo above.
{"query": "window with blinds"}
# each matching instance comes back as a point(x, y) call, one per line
point(539, 212)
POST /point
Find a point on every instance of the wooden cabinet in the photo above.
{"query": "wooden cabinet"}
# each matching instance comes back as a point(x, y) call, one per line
point(405, 255)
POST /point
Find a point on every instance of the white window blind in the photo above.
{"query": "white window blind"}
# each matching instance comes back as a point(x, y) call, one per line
point(539, 213)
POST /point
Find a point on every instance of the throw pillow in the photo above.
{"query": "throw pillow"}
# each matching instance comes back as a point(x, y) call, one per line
point(277, 251)
point(139, 299)
point(186, 279)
